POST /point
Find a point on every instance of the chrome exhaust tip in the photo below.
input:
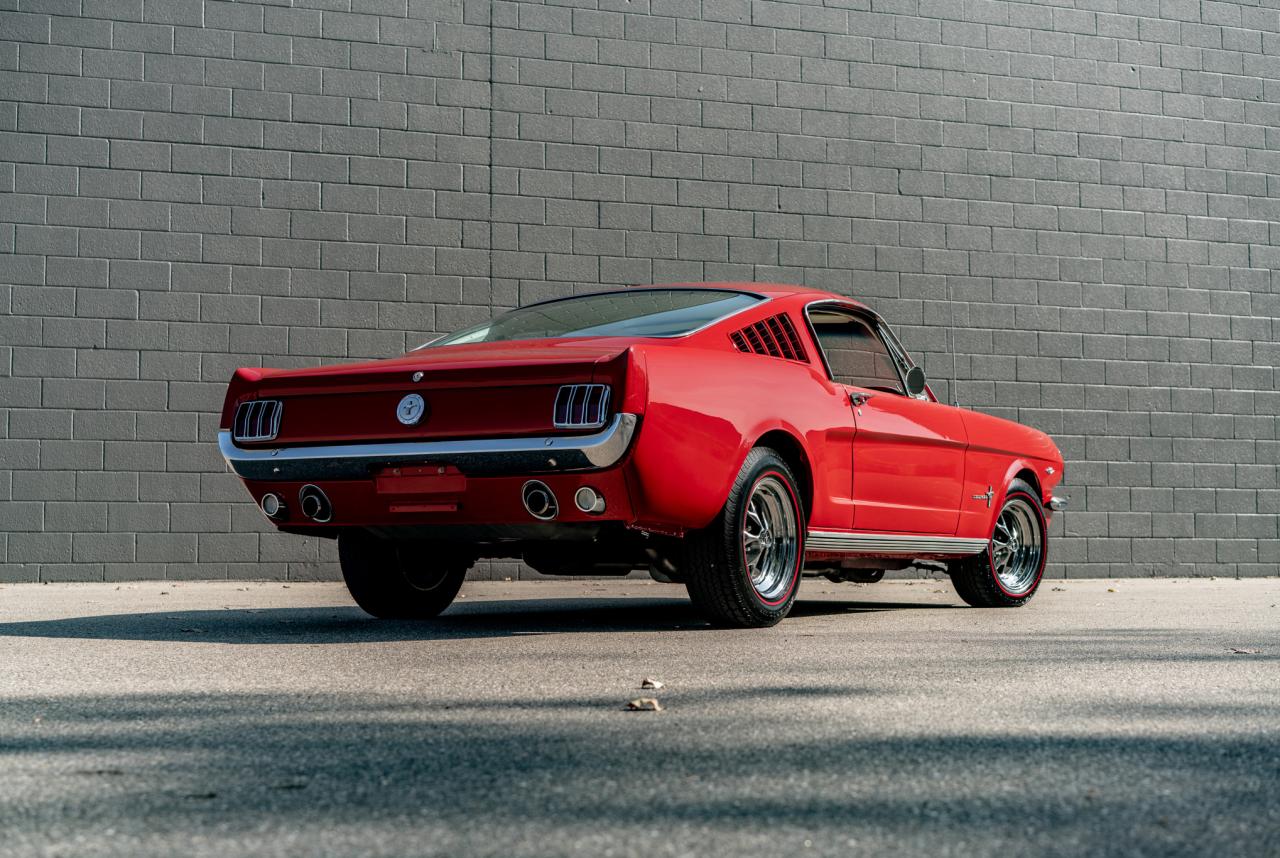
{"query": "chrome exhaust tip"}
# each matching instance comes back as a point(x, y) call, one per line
point(589, 500)
point(539, 500)
point(315, 504)
point(272, 506)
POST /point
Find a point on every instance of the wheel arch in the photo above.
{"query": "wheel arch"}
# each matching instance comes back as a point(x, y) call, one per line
point(1018, 469)
point(788, 446)
point(1029, 477)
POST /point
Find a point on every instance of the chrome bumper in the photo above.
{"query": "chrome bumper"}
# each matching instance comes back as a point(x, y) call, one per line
point(488, 457)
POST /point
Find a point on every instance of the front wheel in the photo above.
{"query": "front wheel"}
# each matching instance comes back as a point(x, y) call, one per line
point(744, 569)
point(1007, 574)
point(397, 579)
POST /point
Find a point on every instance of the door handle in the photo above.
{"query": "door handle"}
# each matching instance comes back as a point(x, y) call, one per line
point(857, 398)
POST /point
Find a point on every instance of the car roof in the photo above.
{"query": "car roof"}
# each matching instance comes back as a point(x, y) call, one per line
point(771, 290)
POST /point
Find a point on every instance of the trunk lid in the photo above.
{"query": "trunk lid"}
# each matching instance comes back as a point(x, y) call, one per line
point(468, 391)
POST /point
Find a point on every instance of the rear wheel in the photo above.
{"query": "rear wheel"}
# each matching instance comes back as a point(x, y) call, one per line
point(744, 569)
point(400, 579)
point(1007, 574)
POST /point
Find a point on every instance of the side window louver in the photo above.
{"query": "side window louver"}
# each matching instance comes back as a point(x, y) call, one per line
point(775, 337)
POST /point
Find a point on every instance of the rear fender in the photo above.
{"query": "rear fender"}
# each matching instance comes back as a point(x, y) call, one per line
point(706, 409)
point(243, 382)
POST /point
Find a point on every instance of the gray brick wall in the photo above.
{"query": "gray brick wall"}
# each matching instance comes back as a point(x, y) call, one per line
point(186, 187)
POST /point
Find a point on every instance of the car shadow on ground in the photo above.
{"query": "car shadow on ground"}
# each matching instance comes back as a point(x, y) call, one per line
point(343, 625)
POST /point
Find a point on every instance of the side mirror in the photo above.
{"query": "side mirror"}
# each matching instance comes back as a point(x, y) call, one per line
point(915, 381)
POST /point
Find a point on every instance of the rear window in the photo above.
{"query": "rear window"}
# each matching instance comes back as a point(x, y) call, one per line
point(633, 313)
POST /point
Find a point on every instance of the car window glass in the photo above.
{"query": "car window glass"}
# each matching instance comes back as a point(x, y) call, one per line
point(637, 313)
point(856, 356)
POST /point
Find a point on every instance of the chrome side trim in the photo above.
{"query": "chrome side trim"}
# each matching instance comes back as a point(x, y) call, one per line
point(885, 543)
point(1057, 503)
point(489, 456)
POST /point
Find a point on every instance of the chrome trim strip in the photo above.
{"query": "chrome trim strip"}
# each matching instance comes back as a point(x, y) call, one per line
point(886, 543)
point(1058, 503)
point(474, 457)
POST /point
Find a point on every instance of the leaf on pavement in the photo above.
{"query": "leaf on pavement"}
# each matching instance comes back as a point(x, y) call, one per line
point(644, 704)
point(650, 682)
point(1239, 651)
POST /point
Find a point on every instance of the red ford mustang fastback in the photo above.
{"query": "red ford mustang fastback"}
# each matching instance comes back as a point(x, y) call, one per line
point(727, 436)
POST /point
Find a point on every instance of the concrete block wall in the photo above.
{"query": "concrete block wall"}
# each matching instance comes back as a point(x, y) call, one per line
point(1087, 190)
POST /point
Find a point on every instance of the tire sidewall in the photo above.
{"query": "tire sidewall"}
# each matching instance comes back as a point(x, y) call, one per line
point(400, 555)
point(1019, 491)
point(766, 464)
point(373, 569)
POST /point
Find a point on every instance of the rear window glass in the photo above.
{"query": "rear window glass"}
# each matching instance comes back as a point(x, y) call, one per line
point(634, 313)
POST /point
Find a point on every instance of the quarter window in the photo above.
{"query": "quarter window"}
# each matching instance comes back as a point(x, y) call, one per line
point(855, 354)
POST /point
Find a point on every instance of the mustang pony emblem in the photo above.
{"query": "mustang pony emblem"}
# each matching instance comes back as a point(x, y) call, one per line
point(410, 409)
point(987, 497)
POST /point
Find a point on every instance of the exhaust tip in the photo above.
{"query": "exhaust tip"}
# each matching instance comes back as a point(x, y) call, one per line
point(272, 506)
point(315, 504)
point(589, 500)
point(539, 500)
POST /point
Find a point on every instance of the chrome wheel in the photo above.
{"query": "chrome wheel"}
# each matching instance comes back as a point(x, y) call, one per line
point(1017, 547)
point(770, 538)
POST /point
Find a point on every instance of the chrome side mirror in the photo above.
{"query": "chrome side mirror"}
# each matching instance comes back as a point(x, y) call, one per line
point(915, 381)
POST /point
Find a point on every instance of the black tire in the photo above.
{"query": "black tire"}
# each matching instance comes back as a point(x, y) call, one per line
point(718, 575)
point(395, 579)
point(976, 579)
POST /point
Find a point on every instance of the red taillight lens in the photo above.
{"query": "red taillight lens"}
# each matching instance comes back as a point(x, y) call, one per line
point(581, 406)
point(257, 420)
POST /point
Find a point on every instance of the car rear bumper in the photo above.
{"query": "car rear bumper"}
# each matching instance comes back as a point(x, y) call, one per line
point(437, 499)
point(481, 457)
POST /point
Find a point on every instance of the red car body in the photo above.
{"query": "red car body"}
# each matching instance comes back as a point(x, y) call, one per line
point(883, 474)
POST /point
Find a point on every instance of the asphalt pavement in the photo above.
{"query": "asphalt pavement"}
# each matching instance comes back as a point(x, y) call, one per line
point(1138, 717)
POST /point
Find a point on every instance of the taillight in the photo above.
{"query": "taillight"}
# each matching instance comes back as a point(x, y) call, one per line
point(257, 420)
point(581, 406)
